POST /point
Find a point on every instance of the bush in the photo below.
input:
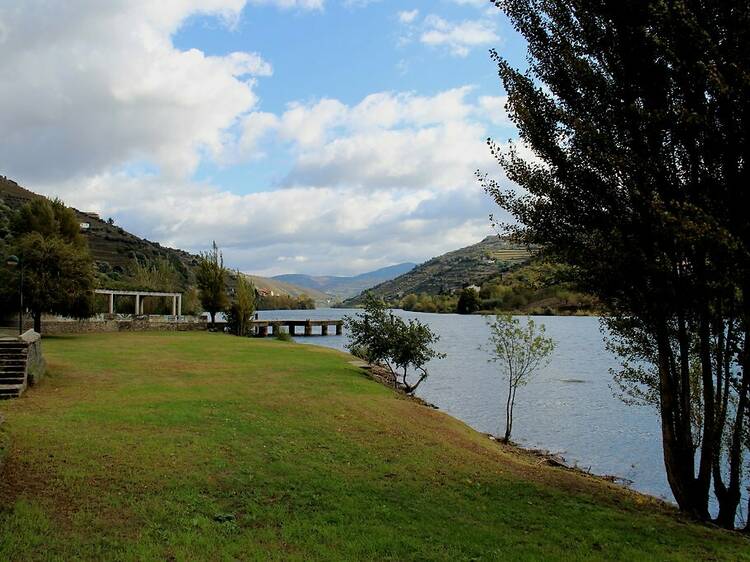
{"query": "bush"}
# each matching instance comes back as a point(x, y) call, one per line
point(284, 336)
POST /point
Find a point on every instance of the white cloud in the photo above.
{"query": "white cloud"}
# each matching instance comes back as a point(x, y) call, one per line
point(386, 141)
point(287, 4)
point(336, 230)
point(408, 16)
point(459, 37)
point(493, 109)
point(370, 184)
point(95, 93)
point(88, 87)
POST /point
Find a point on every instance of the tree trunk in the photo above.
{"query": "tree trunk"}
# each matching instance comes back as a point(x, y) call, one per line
point(729, 499)
point(679, 458)
point(509, 412)
point(37, 321)
point(213, 320)
point(709, 447)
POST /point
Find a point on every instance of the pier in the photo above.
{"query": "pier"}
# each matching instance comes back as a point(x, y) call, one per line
point(265, 328)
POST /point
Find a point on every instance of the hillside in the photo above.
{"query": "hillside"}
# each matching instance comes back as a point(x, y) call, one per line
point(115, 250)
point(346, 287)
point(471, 265)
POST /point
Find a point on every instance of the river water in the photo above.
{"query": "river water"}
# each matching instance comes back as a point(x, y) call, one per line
point(569, 407)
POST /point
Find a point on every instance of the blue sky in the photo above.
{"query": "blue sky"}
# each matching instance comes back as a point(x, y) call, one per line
point(313, 136)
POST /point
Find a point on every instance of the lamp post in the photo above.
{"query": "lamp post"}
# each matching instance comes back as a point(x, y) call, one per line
point(14, 261)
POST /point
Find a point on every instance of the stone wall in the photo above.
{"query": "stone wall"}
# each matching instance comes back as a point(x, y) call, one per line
point(138, 324)
point(35, 363)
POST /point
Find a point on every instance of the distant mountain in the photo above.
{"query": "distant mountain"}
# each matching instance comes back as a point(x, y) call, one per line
point(292, 289)
point(114, 249)
point(454, 270)
point(345, 287)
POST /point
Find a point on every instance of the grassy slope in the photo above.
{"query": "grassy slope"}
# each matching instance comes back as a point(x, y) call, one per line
point(135, 443)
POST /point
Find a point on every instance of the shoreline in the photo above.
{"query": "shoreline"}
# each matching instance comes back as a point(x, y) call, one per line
point(382, 376)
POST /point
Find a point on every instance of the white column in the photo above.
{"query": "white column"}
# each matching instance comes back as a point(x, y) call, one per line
point(174, 305)
point(111, 303)
point(179, 305)
point(137, 305)
point(143, 305)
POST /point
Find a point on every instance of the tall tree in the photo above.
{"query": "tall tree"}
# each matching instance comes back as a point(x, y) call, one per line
point(211, 278)
point(240, 313)
point(637, 114)
point(58, 275)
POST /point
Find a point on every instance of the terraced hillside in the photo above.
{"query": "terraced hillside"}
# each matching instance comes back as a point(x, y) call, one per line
point(454, 270)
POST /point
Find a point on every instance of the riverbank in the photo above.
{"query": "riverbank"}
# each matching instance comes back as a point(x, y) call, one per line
point(203, 446)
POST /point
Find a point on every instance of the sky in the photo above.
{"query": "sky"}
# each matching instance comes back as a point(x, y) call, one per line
point(304, 136)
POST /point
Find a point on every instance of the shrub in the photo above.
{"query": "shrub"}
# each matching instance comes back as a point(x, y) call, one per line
point(284, 336)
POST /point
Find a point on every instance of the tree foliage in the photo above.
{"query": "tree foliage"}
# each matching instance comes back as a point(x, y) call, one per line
point(158, 276)
point(49, 218)
point(211, 277)
point(404, 347)
point(637, 114)
point(240, 313)
point(519, 351)
point(468, 301)
point(58, 275)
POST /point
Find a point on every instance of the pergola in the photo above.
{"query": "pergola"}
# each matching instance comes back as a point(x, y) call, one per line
point(139, 298)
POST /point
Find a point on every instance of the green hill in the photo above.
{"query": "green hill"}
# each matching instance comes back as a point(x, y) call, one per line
point(472, 265)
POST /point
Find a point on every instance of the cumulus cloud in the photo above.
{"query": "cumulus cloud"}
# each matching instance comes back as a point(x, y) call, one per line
point(100, 107)
point(408, 16)
point(337, 230)
point(87, 87)
point(387, 179)
point(386, 141)
point(458, 37)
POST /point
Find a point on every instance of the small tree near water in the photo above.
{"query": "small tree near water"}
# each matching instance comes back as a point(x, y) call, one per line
point(520, 351)
point(381, 337)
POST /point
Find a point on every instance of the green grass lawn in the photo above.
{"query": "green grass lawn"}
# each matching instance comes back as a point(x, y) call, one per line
point(209, 447)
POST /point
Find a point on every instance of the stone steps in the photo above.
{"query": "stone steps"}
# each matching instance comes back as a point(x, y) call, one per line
point(13, 367)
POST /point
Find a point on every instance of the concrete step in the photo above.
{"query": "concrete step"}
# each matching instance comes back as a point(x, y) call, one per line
point(12, 344)
point(12, 365)
point(11, 390)
point(12, 354)
point(12, 381)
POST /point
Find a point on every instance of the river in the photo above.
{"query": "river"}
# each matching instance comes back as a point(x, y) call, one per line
point(568, 408)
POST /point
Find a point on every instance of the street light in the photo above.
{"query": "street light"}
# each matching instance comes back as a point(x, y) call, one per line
point(14, 261)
